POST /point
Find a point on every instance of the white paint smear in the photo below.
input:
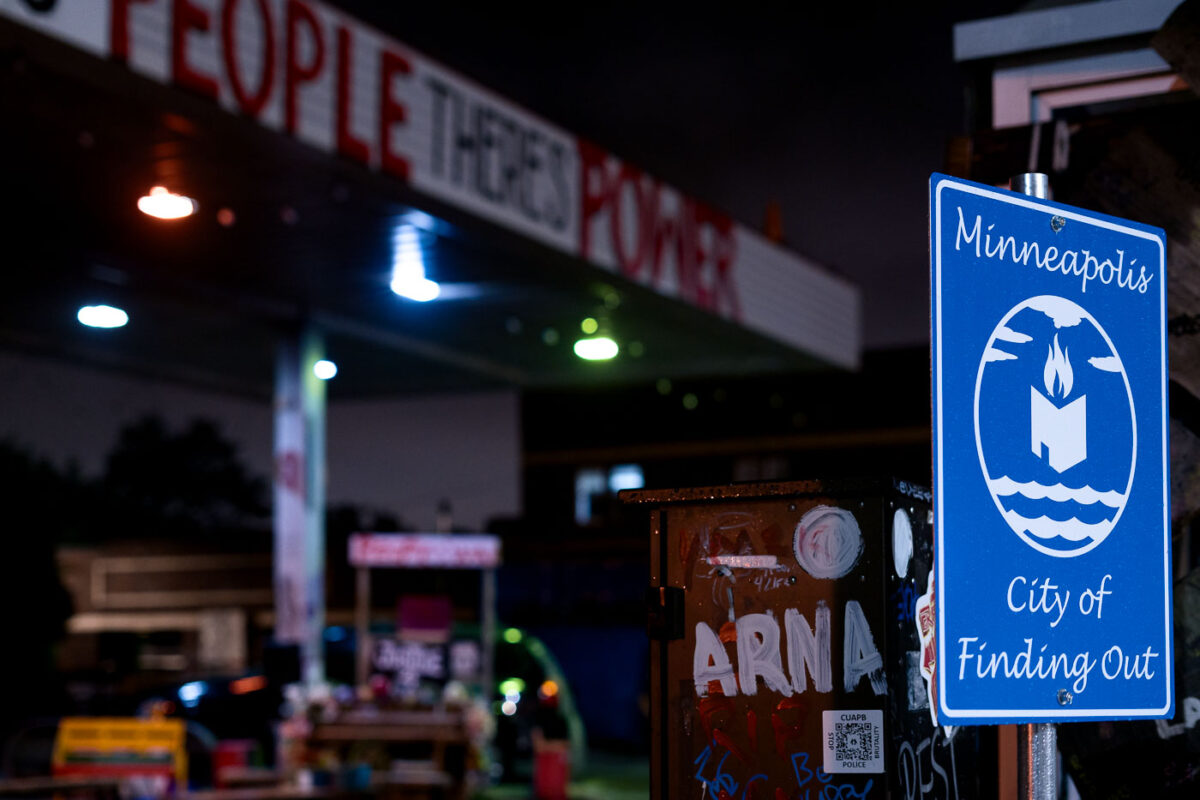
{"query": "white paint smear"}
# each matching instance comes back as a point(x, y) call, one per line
point(744, 562)
point(902, 542)
point(827, 542)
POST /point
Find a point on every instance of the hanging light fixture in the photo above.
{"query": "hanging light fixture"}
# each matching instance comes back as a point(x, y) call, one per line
point(325, 369)
point(408, 265)
point(102, 316)
point(162, 203)
point(596, 343)
point(596, 348)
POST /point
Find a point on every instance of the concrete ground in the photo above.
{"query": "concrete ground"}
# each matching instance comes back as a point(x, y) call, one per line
point(607, 776)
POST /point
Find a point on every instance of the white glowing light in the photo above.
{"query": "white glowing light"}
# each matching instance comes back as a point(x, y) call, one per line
point(102, 316)
point(162, 203)
point(416, 288)
point(408, 266)
point(509, 708)
point(420, 219)
point(626, 476)
point(597, 348)
point(325, 369)
point(191, 692)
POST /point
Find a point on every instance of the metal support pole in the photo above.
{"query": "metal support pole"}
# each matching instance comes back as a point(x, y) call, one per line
point(1037, 743)
point(362, 625)
point(299, 508)
point(1034, 184)
point(1037, 761)
point(487, 666)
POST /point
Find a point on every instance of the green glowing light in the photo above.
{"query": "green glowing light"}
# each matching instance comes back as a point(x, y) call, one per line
point(598, 348)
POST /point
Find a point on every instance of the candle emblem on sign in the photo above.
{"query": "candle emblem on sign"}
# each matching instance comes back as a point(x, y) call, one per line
point(1060, 496)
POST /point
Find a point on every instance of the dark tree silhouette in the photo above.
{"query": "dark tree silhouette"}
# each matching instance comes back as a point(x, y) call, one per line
point(42, 506)
point(179, 485)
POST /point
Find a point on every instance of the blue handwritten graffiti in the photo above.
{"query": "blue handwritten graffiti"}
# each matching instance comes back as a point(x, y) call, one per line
point(828, 789)
point(800, 767)
point(905, 599)
point(811, 784)
point(762, 776)
point(722, 781)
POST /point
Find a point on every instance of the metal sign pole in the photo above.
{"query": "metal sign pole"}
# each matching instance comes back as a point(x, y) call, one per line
point(1037, 743)
point(1037, 761)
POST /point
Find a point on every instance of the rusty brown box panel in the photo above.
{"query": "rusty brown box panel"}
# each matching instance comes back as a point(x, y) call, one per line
point(786, 660)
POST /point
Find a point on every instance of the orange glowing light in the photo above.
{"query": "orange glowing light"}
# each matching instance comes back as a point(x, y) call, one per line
point(161, 203)
point(547, 689)
point(252, 683)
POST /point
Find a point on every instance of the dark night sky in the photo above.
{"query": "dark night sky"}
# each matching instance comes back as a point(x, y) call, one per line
point(838, 113)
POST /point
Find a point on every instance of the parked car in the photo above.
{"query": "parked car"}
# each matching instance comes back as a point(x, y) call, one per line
point(532, 695)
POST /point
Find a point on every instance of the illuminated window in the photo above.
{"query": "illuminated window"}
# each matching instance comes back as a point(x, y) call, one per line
point(625, 476)
point(596, 486)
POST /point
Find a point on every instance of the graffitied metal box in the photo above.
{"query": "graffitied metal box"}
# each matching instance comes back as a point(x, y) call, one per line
point(787, 646)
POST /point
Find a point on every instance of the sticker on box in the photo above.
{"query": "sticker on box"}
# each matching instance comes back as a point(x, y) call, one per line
point(853, 741)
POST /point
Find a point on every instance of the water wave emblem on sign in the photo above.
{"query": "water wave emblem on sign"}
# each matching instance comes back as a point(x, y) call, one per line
point(1050, 375)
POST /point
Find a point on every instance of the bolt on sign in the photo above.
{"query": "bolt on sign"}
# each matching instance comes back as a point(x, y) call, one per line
point(1051, 506)
point(786, 654)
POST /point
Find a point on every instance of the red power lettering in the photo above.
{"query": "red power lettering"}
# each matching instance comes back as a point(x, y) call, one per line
point(186, 17)
point(347, 145)
point(296, 73)
point(118, 29)
point(721, 294)
point(667, 231)
point(631, 265)
point(593, 180)
point(690, 251)
point(249, 103)
point(391, 111)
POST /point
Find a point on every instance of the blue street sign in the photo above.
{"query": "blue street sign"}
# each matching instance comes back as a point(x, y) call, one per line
point(1053, 573)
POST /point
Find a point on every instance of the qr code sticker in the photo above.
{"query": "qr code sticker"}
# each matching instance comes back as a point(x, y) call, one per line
point(853, 741)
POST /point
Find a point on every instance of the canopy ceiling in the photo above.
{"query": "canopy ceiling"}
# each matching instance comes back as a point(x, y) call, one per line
point(287, 235)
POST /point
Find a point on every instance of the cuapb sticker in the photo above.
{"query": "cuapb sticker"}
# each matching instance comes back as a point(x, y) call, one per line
point(852, 740)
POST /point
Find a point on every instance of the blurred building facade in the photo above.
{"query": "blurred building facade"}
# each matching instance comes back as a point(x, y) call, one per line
point(337, 175)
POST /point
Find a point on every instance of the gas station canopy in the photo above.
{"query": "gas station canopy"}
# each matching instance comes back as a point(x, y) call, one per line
point(333, 169)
